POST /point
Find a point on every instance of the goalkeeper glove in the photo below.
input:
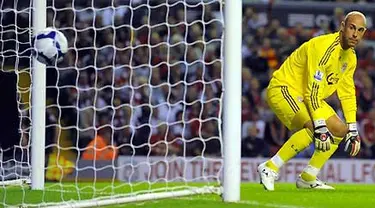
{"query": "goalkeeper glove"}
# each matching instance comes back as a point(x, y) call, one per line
point(322, 136)
point(352, 140)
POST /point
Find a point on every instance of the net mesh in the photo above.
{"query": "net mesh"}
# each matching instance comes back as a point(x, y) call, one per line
point(134, 107)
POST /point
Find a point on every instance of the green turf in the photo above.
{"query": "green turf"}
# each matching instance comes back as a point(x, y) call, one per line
point(252, 195)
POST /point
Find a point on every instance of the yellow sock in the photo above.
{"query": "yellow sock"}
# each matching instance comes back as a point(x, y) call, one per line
point(295, 144)
point(317, 161)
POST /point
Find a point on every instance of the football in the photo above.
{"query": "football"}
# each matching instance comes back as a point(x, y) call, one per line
point(50, 46)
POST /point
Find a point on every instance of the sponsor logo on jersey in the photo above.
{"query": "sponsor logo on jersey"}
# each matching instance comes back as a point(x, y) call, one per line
point(318, 76)
point(332, 78)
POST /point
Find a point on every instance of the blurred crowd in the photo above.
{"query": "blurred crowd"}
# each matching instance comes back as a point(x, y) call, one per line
point(149, 81)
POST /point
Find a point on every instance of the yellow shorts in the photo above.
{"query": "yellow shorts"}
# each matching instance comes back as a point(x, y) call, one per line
point(289, 107)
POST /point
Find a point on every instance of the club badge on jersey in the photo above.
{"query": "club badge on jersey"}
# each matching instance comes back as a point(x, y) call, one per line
point(344, 66)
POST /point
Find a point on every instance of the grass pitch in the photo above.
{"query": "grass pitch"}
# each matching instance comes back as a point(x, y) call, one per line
point(252, 195)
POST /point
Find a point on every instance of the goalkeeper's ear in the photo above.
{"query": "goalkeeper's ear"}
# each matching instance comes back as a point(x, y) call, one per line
point(342, 26)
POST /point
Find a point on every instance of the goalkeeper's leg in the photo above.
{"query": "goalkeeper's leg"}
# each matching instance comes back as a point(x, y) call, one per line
point(295, 144)
point(294, 115)
point(268, 171)
point(319, 158)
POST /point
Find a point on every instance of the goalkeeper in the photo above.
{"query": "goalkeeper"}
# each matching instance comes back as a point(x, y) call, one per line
point(317, 69)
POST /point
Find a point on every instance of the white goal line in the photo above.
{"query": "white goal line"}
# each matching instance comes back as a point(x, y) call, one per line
point(112, 200)
point(252, 202)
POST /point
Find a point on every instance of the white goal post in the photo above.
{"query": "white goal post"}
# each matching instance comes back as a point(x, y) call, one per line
point(192, 59)
point(232, 99)
point(38, 107)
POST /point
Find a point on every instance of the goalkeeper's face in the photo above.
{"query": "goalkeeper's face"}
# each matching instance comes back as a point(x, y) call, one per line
point(353, 28)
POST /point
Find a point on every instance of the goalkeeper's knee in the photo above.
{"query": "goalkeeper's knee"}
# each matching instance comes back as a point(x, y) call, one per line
point(339, 135)
point(336, 127)
point(340, 132)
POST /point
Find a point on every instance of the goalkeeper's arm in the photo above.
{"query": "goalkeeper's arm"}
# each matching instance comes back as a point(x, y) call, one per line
point(346, 94)
point(313, 96)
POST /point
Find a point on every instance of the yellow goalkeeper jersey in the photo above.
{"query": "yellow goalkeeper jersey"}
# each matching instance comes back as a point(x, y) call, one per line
point(316, 70)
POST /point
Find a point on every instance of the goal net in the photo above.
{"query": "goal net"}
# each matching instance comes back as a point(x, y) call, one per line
point(133, 112)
